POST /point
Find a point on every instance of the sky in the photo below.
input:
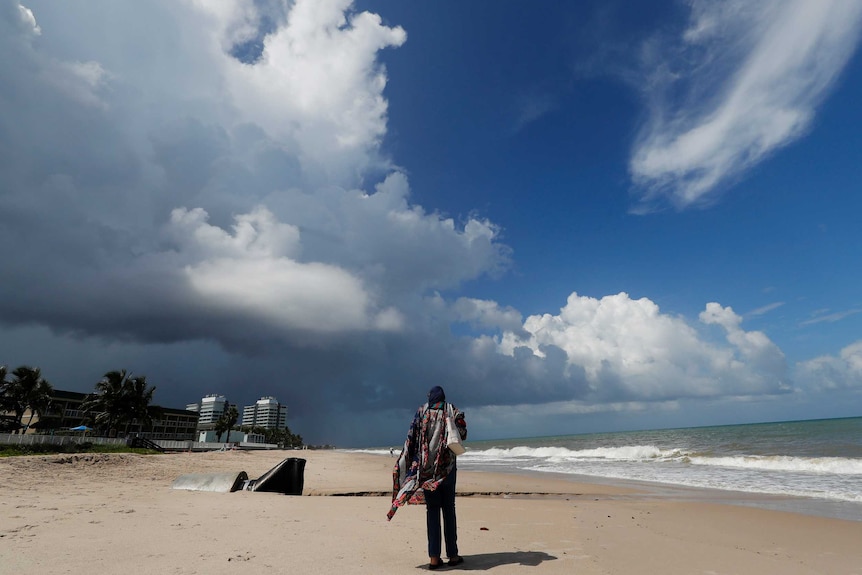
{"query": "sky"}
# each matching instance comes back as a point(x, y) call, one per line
point(575, 217)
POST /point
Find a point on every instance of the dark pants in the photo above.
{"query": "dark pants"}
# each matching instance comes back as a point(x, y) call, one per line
point(442, 499)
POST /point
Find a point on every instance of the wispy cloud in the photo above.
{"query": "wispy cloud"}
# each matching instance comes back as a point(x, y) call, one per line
point(743, 81)
point(766, 309)
point(532, 107)
point(832, 317)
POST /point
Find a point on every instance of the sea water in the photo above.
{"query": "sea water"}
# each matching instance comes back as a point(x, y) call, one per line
point(811, 466)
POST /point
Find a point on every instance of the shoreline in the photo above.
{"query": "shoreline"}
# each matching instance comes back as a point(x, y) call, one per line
point(106, 514)
point(814, 506)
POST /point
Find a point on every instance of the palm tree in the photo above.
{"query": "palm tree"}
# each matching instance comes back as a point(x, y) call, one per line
point(3, 385)
point(226, 421)
point(5, 401)
point(105, 406)
point(28, 390)
point(220, 427)
point(138, 398)
point(232, 417)
point(121, 398)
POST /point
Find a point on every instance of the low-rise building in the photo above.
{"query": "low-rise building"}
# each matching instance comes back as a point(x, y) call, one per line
point(64, 412)
point(174, 424)
point(233, 436)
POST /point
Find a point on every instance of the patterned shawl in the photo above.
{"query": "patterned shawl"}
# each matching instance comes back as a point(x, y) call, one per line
point(425, 460)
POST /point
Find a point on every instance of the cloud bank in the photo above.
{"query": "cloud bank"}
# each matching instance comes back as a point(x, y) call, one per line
point(744, 80)
point(627, 350)
point(830, 372)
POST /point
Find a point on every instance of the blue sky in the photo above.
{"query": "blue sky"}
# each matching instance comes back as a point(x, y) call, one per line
point(574, 218)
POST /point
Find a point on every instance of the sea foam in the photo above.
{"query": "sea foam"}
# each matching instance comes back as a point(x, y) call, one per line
point(622, 453)
point(832, 465)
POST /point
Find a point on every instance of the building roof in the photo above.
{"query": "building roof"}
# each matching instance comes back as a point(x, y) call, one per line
point(74, 395)
point(174, 411)
point(78, 396)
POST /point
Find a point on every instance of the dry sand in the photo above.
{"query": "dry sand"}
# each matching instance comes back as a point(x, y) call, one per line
point(116, 514)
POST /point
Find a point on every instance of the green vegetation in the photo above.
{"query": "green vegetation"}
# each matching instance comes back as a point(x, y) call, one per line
point(121, 399)
point(26, 390)
point(226, 421)
point(83, 447)
point(282, 437)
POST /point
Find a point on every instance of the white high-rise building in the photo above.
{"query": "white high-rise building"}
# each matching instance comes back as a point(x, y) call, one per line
point(210, 409)
point(267, 412)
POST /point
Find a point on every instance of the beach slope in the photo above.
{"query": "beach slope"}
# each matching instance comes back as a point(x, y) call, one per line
point(113, 514)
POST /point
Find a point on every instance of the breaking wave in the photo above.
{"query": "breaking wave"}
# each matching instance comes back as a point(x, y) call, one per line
point(831, 465)
point(622, 453)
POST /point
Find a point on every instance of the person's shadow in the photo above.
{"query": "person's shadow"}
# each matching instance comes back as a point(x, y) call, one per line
point(485, 561)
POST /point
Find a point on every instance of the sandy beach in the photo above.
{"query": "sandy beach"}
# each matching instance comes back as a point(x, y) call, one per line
point(112, 514)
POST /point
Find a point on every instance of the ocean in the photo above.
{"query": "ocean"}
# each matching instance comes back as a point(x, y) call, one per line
point(810, 466)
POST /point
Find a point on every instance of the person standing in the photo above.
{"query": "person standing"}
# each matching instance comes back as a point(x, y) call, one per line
point(426, 472)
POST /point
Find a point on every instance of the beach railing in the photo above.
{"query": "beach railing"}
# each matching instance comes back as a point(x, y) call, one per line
point(213, 446)
point(35, 439)
point(173, 445)
point(159, 444)
point(143, 442)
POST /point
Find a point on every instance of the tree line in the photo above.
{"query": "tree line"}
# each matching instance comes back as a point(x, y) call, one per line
point(283, 437)
point(119, 400)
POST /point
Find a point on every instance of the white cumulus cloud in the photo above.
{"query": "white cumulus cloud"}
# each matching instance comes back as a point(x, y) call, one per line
point(629, 350)
point(487, 314)
point(252, 273)
point(830, 372)
point(28, 19)
point(317, 83)
point(255, 235)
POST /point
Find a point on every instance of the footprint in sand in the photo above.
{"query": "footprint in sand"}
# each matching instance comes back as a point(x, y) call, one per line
point(246, 557)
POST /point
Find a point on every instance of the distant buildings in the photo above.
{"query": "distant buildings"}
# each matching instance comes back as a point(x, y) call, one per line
point(267, 413)
point(196, 422)
point(209, 409)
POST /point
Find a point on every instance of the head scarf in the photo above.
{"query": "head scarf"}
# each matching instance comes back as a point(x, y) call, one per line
point(436, 395)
